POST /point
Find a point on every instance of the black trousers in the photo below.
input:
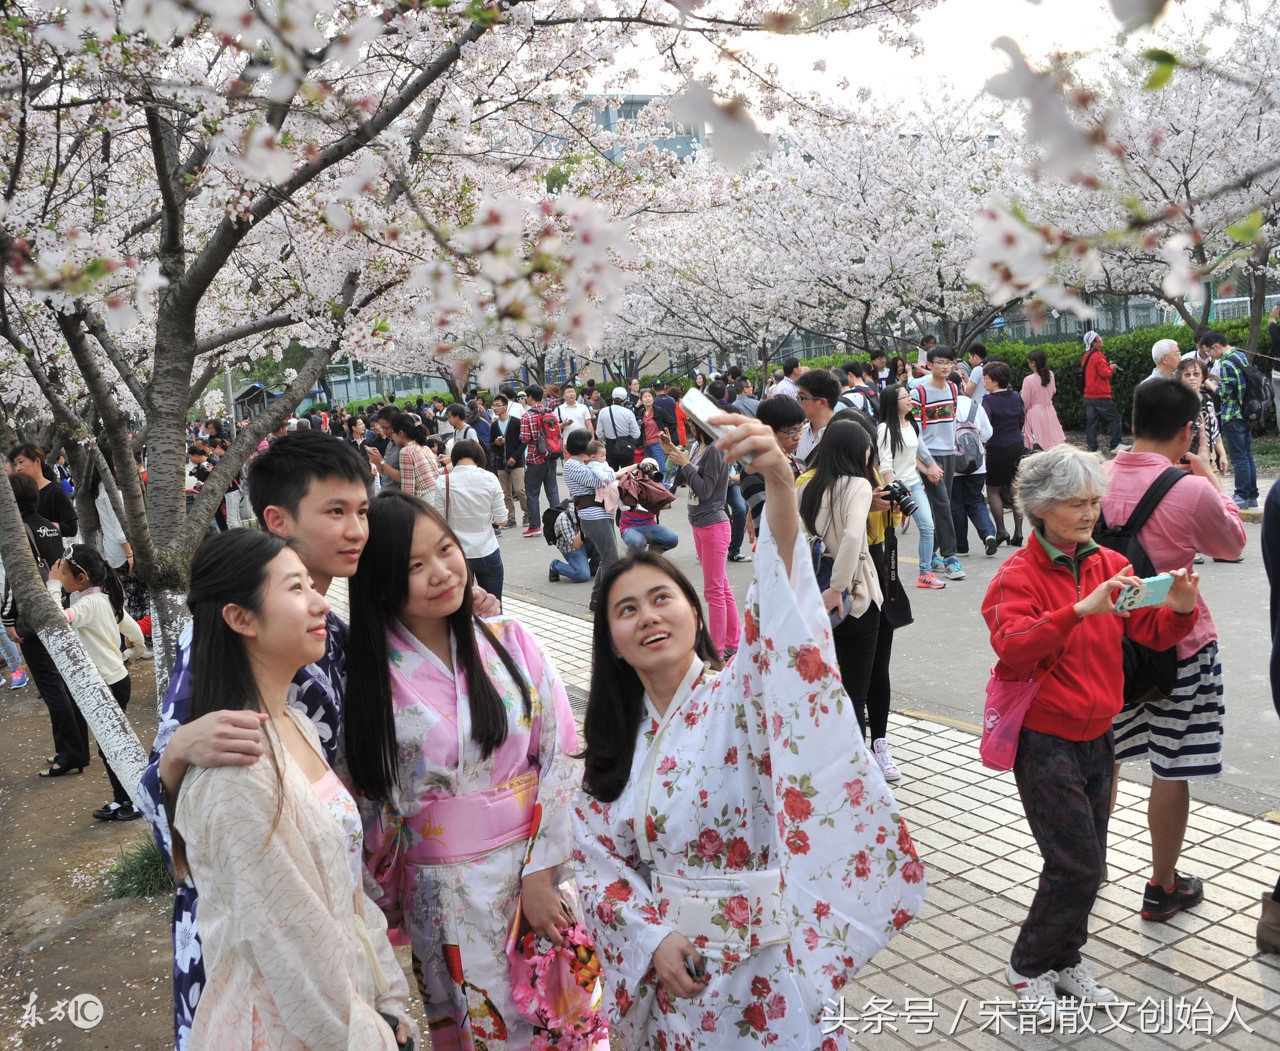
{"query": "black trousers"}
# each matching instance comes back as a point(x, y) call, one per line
point(70, 731)
point(120, 691)
point(1066, 794)
point(855, 641)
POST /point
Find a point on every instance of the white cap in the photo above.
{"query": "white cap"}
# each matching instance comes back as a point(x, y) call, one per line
point(1089, 337)
point(619, 394)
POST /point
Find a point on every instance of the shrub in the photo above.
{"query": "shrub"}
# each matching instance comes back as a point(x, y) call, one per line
point(140, 872)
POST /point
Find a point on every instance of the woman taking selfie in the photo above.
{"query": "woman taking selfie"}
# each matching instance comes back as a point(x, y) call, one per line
point(723, 912)
point(457, 736)
point(296, 954)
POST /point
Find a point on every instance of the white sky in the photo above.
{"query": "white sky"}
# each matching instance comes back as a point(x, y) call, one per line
point(956, 49)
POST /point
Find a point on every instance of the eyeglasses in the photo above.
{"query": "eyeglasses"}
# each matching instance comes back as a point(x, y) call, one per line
point(802, 398)
point(792, 432)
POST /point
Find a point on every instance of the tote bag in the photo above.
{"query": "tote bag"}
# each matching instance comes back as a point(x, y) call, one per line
point(1002, 716)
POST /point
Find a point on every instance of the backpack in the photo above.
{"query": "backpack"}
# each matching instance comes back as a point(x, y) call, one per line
point(549, 517)
point(1145, 669)
point(968, 442)
point(860, 398)
point(1253, 391)
point(547, 435)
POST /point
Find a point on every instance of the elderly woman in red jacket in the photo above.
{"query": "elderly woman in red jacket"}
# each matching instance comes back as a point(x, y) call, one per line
point(1052, 615)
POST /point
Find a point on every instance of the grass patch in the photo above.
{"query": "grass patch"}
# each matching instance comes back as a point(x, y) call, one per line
point(1266, 454)
point(139, 872)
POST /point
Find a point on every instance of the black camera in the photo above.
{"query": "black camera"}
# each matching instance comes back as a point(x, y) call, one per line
point(897, 493)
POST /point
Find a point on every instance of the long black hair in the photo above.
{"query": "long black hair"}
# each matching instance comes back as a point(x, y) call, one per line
point(1041, 361)
point(892, 418)
point(379, 591)
point(228, 569)
point(844, 454)
point(615, 702)
point(88, 561)
point(409, 426)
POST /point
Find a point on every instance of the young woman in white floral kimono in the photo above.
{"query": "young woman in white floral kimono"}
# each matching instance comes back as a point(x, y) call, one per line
point(457, 735)
point(740, 855)
point(296, 954)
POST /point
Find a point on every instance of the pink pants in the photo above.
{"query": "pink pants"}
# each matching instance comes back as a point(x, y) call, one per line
point(712, 544)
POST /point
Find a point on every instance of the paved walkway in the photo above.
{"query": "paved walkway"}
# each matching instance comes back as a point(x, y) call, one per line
point(941, 982)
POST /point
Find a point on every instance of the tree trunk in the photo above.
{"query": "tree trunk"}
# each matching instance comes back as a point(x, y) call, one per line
point(1257, 296)
point(115, 736)
point(168, 617)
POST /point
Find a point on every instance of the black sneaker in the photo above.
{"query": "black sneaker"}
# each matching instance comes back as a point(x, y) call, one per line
point(107, 813)
point(992, 545)
point(128, 812)
point(552, 576)
point(1160, 904)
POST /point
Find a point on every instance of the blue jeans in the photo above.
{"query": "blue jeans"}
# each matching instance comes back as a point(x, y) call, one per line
point(1095, 410)
point(1239, 440)
point(924, 526)
point(656, 536)
point(9, 651)
point(737, 518)
point(537, 478)
point(489, 574)
point(577, 570)
point(968, 501)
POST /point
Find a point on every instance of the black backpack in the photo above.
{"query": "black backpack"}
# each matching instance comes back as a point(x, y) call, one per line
point(1254, 392)
point(549, 517)
point(1145, 669)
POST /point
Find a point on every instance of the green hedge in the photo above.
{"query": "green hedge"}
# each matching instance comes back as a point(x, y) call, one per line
point(1130, 350)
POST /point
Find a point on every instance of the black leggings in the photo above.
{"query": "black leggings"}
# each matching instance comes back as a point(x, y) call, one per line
point(120, 691)
point(855, 640)
point(876, 714)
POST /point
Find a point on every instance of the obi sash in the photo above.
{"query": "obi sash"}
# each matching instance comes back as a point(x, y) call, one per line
point(460, 828)
point(727, 917)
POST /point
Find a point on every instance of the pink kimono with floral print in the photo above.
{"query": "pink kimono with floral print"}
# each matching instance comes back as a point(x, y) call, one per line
point(435, 847)
point(767, 837)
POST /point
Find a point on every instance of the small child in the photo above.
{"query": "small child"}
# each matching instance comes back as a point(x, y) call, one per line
point(605, 494)
point(98, 616)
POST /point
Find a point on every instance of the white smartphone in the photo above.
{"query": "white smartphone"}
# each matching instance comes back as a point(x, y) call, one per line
point(702, 408)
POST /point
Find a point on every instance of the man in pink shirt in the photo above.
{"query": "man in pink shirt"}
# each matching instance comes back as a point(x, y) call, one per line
point(1180, 734)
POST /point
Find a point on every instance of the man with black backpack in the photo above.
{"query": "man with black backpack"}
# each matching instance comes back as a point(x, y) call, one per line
point(1240, 386)
point(1161, 515)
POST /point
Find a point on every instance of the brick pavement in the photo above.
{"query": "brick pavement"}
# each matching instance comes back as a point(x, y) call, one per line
point(983, 867)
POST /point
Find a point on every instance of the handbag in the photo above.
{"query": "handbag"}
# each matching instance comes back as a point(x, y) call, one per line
point(557, 989)
point(1002, 717)
point(895, 611)
point(823, 564)
point(623, 448)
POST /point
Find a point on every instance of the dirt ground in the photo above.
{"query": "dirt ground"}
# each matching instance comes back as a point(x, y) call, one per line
point(60, 936)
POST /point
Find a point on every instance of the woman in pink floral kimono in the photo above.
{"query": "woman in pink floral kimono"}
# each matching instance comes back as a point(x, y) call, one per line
point(740, 855)
point(457, 737)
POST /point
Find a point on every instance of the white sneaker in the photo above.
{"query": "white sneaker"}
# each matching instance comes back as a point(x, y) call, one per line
point(884, 759)
point(1037, 993)
point(139, 653)
point(1078, 982)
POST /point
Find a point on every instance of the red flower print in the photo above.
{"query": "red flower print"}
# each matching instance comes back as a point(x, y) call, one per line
point(798, 808)
point(760, 987)
point(766, 765)
point(618, 890)
point(755, 1016)
point(607, 843)
point(855, 791)
point(809, 663)
point(862, 865)
point(623, 999)
point(798, 842)
point(737, 911)
point(667, 765)
point(710, 844)
point(822, 910)
point(900, 919)
point(731, 756)
point(880, 838)
point(913, 871)
point(905, 846)
point(709, 1022)
point(810, 939)
point(777, 1006)
point(776, 725)
point(829, 1044)
point(750, 630)
point(650, 829)
point(607, 913)
point(739, 853)
point(664, 1000)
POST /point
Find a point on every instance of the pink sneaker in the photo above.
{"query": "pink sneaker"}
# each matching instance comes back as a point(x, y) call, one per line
point(930, 582)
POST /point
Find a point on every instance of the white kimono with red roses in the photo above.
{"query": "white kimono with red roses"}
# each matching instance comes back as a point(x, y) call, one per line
point(770, 840)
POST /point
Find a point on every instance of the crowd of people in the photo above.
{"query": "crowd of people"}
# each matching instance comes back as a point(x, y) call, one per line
point(720, 847)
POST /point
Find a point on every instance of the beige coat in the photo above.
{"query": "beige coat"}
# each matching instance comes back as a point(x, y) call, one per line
point(281, 932)
point(843, 521)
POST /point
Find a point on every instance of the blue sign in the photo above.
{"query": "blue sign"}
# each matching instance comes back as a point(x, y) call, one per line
point(998, 322)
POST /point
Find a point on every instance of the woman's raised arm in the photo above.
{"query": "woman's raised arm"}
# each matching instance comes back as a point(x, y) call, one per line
point(755, 441)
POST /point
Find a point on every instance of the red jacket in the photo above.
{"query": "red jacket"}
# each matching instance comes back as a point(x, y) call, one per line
point(1097, 374)
point(1029, 609)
